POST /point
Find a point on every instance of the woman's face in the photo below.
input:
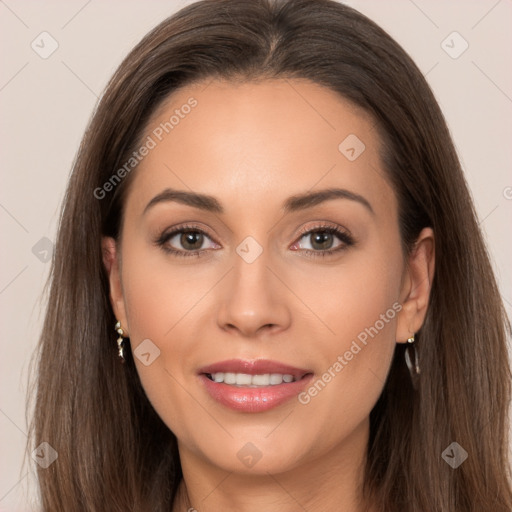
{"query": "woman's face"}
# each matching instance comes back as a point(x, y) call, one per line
point(226, 298)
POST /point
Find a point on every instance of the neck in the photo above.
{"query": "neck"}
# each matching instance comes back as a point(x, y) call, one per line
point(328, 482)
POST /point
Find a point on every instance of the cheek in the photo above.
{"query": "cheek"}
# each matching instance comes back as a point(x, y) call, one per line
point(159, 294)
point(162, 303)
point(354, 296)
point(359, 304)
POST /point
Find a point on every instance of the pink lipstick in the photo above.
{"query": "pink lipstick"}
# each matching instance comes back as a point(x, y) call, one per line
point(253, 385)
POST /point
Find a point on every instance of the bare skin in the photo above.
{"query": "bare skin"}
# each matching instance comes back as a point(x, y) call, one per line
point(252, 146)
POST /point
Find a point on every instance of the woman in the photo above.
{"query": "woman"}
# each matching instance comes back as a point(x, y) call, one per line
point(269, 290)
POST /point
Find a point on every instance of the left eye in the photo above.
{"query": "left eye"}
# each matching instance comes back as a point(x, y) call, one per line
point(323, 240)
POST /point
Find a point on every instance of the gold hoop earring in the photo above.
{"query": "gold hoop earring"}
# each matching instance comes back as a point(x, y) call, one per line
point(412, 363)
point(120, 341)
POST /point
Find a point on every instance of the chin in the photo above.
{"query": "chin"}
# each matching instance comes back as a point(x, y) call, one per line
point(255, 455)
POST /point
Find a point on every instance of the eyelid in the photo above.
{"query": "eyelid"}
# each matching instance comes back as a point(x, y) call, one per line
point(321, 225)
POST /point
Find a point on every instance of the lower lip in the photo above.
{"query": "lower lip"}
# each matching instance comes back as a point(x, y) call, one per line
point(246, 399)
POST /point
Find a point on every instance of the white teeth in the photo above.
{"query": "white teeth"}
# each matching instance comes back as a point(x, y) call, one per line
point(276, 378)
point(230, 378)
point(244, 379)
point(262, 380)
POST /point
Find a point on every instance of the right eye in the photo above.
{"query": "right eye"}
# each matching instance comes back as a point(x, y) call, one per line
point(185, 241)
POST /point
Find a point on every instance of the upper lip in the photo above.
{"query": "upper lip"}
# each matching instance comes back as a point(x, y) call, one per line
point(254, 367)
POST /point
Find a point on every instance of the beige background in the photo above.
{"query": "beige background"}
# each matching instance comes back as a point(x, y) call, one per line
point(46, 103)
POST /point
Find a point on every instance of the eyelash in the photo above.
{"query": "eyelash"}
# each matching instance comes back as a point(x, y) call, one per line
point(343, 236)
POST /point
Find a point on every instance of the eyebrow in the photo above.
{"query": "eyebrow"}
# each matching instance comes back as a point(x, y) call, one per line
point(292, 204)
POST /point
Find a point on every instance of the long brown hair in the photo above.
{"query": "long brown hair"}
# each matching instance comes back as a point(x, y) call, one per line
point(114, 452)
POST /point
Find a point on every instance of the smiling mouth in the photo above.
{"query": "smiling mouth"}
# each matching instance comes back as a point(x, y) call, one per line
point(252, 381)
point(253, 385)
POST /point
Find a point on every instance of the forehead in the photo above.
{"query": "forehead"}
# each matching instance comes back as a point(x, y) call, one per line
point(259, 141)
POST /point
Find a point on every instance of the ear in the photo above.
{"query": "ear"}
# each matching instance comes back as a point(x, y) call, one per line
point(416, 287)
point(111, 258)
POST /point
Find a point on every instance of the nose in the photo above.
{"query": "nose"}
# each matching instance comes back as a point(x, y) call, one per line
point(253, 299)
